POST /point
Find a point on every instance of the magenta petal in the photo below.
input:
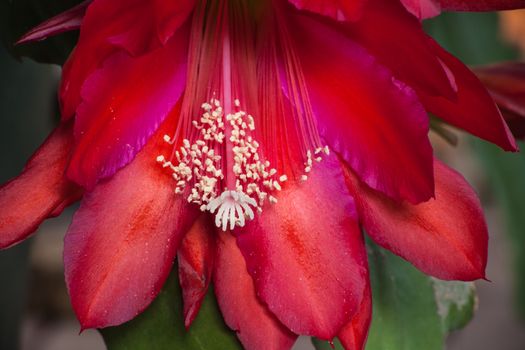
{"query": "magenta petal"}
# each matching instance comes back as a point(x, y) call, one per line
point(306, 254)
point(122, 242)
point(63, 22)
point(474, 110)
point(373, 121)
point(123, 104)
point(340, 10)
point(40, 191)
point(256, 327)
point(422, 9)
point(196, 257)
point(445, 237)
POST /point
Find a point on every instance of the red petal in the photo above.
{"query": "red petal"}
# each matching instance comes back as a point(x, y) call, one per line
point(124, 102)
point(412, 59)
point(473, 110)
point(340, 10)
point(516, 123)
point(422, 8)
point(170, 16)
point(354, 333)
point(107, 26)
point(121, 245)
point(445, 237)
point(373, 121)
point(195, 257)
point(306, 254)
point(63, 22)
point(256, 327)
point(481, 5)
point(506, 84)
point(40, 191)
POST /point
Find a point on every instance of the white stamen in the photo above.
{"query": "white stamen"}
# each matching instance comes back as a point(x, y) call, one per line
point(199, 173)
point(233, 208)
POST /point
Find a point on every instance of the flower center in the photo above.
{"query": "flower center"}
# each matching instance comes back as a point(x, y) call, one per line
point(225, 160)
point(201, 168)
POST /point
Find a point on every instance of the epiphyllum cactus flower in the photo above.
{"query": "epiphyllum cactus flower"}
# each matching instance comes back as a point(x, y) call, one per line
point(253, 140)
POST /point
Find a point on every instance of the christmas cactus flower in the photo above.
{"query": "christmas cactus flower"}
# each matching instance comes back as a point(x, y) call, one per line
point(253, 141)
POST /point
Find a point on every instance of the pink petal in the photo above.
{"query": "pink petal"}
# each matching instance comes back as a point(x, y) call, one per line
point(422, 9)
point(63, 22)
point(40, 191)
point(354, 334)
point(373, 121)
point(445, 237)
point(122, 242)
point(473, 110)
point(256, 327)
point(481, 5)
point(123, 104)
point(195, 258)
point(341, 10)
point(412, 59)
point(306, 254)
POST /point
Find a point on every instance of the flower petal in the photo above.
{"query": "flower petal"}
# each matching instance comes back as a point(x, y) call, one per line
point(422, 9)
point(306, 254)
point(373, 121)
point(473, 110)
point(256, 327)
point(445, 237)
point(506, 84)
point(123, 104)
point(109, 25)
point(516, 123)
point(170, 16)
point(63, 22)
point(412, 60)
point(122, 242)
point(354, 334)
point(341, 10)
point(196, 257)
point(481, 5)
point(40, 191)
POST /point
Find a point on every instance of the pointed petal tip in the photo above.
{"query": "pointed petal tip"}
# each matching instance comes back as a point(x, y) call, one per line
point(63, 22)
point(42, 180)
point(452, 249)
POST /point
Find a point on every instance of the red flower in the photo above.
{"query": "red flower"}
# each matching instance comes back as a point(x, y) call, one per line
point(282, 129)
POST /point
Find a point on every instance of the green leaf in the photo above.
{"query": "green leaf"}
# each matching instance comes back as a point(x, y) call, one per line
point(161, 326)
point(19, 16)
point(324, 345)
point(405, 313)
point(456, 302)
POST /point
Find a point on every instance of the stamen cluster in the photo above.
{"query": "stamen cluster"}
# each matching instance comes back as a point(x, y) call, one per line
point(201, 166)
